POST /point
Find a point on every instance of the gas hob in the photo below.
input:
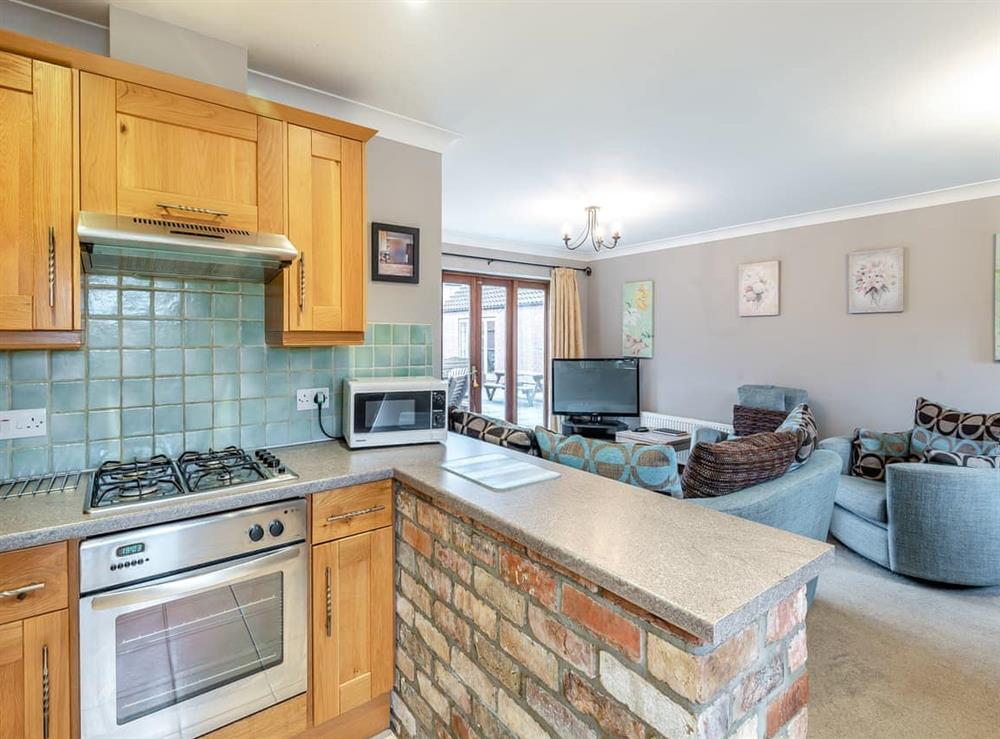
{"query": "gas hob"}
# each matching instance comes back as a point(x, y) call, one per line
point(116, 484)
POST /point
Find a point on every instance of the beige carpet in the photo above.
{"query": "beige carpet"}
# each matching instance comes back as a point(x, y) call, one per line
point(891, 657)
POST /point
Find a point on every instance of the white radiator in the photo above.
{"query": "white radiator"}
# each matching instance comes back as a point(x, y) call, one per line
point(680, 423)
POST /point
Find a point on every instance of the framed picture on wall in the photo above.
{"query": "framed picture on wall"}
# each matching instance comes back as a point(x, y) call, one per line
point(759, 289)
point(637, 319)
point(996, 298)
point(875, 281)
point(395, 253)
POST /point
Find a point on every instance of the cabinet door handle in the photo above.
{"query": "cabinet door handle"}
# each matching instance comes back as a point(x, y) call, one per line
point(354, 514)
point(22, 592)
point(302, 282)
point(45, 692)
point(329, 602)
point(193, 209)
point(52, 266)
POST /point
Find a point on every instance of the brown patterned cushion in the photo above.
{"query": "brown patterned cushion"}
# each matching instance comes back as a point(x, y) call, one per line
point(873, 451)
point(935, 426)
point(492, 430)
point(748, 421)
point(720, 469)
point(957, 459)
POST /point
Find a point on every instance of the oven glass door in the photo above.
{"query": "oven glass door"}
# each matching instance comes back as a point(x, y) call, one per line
point(392, 411)
point(167, 653)
point(181, 656)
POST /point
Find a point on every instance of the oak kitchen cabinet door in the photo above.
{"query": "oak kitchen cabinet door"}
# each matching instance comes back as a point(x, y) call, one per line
point(38, 250)
point(353, 640)
point(321, 298)
point(34, 677)
point(156, 154)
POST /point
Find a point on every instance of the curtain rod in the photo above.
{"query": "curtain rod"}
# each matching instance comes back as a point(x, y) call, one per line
point(489, 260)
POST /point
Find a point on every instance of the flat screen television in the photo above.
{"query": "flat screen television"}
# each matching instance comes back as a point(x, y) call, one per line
point(595, 387)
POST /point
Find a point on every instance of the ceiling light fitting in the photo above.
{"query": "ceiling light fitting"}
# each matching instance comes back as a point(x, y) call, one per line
point(593, 232)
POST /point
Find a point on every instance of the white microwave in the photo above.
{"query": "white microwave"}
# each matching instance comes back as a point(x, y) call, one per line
point(385, 411)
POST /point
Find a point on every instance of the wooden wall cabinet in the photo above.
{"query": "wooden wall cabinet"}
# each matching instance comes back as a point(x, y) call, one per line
point(320, 300)
point(156, 154)
point(34, 644)
point(39, 294)
point(352, 615)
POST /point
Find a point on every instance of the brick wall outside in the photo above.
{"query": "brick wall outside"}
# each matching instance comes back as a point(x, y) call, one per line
point(494, 640)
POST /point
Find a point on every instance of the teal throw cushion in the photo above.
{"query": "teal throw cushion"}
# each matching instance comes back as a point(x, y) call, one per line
point(650, 466)
point(873, 451)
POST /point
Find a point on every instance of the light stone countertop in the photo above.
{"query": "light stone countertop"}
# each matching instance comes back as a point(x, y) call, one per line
point(706, 572)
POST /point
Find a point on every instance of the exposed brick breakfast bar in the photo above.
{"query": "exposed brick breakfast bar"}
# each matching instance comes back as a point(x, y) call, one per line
point(496, 640)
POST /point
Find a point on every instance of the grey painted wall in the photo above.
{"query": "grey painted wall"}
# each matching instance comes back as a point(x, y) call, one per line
point(859, 369)
point(404, 188)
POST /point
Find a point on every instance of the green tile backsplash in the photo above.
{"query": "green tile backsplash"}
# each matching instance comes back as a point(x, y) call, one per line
point(173, 364)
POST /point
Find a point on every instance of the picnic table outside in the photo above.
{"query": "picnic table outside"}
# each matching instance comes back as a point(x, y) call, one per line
point(529, 384)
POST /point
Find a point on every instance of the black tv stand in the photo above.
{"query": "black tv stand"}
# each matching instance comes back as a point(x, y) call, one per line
point(593, 427)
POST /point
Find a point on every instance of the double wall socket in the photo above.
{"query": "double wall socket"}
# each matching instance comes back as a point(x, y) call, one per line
point(304, 398)
point(21, 424)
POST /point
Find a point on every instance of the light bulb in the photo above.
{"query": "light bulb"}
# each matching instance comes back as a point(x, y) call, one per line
point(616, 231)
point(566, 232)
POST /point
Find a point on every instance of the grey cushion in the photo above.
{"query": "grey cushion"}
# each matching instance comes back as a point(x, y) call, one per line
point(866, 498)
point(775, 397)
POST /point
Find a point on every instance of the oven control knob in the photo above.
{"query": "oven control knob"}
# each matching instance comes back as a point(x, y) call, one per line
point(273, 463)
point(276, 528)
point(256, 532)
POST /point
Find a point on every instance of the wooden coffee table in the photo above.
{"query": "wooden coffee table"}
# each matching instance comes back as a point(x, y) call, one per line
point(679, 440)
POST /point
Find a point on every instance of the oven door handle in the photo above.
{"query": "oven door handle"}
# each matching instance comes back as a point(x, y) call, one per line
point(205, 580)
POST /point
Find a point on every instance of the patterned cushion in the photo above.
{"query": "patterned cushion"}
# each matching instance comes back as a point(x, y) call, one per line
point(650, 466)
point(873, 451)
point(719, 469)
point(950, 430)
point(801, 422)
point(956, 459)
point(492, 430)
point(747, 420)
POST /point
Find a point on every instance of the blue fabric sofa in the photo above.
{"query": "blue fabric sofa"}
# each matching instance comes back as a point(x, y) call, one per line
point(771, 397)
point(800, 501)
point(929, 521)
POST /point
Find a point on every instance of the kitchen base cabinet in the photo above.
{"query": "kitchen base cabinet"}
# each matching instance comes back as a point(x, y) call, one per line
point(352, 609)
point(34, 678)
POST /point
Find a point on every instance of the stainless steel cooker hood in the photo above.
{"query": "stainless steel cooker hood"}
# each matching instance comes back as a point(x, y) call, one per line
point(172, 248)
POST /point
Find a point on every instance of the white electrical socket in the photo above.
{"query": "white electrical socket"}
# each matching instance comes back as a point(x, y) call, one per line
point(21, 424)
point(304, 398)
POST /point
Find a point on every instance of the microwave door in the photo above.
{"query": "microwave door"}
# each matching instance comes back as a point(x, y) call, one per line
point(392, 411)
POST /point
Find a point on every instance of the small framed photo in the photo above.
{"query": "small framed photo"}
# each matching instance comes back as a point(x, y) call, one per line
point(395, 253)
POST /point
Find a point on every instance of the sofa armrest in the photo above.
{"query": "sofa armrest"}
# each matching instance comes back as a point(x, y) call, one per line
point(944, 523)
point(842, 446)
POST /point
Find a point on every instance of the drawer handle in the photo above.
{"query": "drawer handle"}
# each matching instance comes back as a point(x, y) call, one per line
point(192, 209)
point(329, 602)
point(302, 282)
point(45, 692)
point(22, 592)
point(355, 514)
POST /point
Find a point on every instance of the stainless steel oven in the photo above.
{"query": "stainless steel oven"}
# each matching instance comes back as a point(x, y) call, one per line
point(188, 626)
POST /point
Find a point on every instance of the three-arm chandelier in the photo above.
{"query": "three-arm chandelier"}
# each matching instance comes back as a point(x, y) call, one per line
point(592, 232)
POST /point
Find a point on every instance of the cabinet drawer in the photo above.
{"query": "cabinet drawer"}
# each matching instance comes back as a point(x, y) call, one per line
point(352, 510)
point(33, 581)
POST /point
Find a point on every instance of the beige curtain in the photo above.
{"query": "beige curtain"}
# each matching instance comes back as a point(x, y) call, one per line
point(566, 321)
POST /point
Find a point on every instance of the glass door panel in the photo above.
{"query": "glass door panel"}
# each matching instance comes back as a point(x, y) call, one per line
point(174, 651)
point(493, 360)
point(531, 343)
point(456, 340)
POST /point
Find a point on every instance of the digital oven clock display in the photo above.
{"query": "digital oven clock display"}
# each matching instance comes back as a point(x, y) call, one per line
point(130, 550)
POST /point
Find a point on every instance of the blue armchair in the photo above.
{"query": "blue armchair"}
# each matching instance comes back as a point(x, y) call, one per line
point(929, 521)
point(771, 397)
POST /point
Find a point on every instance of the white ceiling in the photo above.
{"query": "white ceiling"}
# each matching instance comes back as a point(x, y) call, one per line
point(674, 117)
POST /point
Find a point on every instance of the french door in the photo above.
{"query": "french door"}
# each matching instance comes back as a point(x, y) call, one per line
point(494, 347)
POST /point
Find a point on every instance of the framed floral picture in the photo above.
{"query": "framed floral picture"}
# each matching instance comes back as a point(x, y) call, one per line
point(875, 281)
point(759, 287)
point(637, 319)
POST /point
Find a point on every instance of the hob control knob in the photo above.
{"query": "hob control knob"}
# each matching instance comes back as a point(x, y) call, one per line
point(276, 528)
point(274, 463)
point(256, 532)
